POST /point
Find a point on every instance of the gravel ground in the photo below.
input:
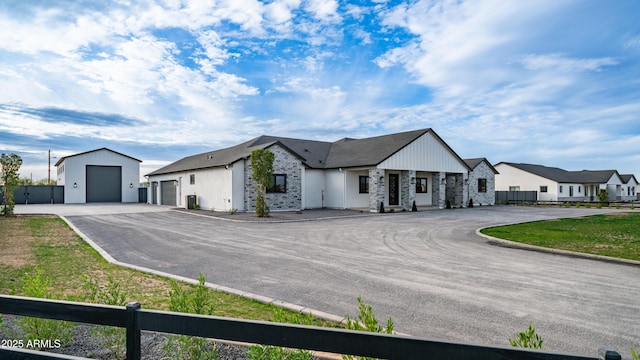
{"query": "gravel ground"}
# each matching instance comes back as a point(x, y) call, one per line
point(86, 343)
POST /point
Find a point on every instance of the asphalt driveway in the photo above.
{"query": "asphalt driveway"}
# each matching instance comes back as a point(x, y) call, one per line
point(427, 270)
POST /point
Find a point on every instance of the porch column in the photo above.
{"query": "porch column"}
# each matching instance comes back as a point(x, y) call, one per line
point(439, 189)
point(376, 189)
point(408, 188)
point(465, 190)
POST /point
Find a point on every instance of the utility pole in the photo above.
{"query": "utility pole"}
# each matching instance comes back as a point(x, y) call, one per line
point(49, 169)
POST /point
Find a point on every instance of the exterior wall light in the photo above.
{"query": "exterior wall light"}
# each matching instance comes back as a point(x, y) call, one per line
point(131, 185)
point(75, 185)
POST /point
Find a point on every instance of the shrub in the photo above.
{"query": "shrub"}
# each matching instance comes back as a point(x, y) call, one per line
point(37, 285)
point(566, 204)
point(414, 208)
point(634, 354)
point(527, 339)
point(260, 352)
point(366, 321)
point(381, 208)
point(448, 204)
point(578, 205)
point(194, 300)
point(112, 338)
point(470, 203)
point(588, 205)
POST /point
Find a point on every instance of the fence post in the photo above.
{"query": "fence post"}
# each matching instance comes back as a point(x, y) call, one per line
point(606, 354)
point(133, 331)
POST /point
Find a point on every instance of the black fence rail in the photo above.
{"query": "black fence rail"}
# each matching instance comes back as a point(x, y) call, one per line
point(331, 340)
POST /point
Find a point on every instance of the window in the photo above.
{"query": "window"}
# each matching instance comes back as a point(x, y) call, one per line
point(560, 188)
point(192, 179)
point(570, 190)
point(482, 185)
point(364, 184)
point(514, 188)
point(421, 185)
point(543, 189)
point(278, 184)
point(579, 189)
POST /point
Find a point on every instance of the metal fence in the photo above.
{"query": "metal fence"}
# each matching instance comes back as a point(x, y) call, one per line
point(36, 194)
point(331, 340)
point(516, 197)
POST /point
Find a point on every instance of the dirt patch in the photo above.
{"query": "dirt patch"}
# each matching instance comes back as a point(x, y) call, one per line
point(16, 243)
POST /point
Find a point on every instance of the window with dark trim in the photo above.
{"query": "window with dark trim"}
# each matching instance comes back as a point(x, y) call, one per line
point(482, 185)
point(543, 189)
point(364, 184)
point(192, 179)
point(421, 186)
point(278, 184)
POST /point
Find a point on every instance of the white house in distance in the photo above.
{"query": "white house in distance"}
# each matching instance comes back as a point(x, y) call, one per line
point(394, 170)
point(555, 184)
point(100, 175)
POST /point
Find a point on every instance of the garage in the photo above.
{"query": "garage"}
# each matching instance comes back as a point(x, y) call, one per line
point(99, 176)
point(104, 183)
point(168, 189)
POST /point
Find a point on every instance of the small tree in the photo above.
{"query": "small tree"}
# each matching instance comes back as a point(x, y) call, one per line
point(9, 166)
point(603, 196)
point(527, 339)
point(262, 166)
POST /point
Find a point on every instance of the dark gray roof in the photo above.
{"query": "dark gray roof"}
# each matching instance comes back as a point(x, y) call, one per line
point(626, 177)
point(370, 151)
point(314, 154)
point(472, 163)
point(90, 151)
point(564, 176)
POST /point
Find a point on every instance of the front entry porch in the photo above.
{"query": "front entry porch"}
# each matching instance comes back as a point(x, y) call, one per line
point(401, 188)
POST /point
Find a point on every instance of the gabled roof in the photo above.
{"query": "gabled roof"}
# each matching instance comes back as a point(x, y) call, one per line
point(473, 163)
point(90, 151)
point(564, 176)
point(627, 177)
point(370, 151)
point(314, 154)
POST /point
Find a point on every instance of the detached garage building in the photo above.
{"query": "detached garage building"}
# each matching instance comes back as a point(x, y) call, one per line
point(101, 175)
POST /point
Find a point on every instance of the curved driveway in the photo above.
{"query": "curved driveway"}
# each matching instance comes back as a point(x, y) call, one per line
point(427, 270)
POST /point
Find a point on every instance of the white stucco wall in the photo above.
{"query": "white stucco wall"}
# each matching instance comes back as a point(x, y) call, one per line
point(213, 187)
point(314, 188)
point(353, 197)
point(335, 187)
point(75, 172)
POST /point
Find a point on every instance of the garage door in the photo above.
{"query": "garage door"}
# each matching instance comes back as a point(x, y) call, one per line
point(168, 189)
point(104, 183)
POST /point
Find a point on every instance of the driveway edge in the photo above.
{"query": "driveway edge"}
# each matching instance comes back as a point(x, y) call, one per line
point(516, 245)
point(259, 298)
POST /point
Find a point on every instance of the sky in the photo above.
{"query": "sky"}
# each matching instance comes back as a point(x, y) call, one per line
point(547, 82)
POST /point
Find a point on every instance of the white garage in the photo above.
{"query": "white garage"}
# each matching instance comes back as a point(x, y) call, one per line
point(100, 175)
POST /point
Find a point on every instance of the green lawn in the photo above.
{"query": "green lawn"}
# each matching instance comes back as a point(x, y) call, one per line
point(614, 235)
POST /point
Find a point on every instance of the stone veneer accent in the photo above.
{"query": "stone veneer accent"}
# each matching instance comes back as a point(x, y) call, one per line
point(376, 189)
point(407, 188)
point(482, 171)
point(284, 163)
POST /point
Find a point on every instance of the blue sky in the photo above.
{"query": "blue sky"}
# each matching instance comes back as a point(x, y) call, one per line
point(555, 83)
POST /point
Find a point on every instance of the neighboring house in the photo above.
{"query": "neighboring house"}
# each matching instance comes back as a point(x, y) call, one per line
point(482, 189)
point(555, 184)
point(100, 175)
point(629, 187)
point(395, 170)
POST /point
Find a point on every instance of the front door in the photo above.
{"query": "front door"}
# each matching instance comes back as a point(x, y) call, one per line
point(394, 189)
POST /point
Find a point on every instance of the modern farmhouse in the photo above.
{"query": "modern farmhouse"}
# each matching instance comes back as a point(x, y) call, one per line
point(394, 170)
point(555, 184)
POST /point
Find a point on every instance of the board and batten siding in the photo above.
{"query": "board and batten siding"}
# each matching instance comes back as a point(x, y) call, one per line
point(427, 153)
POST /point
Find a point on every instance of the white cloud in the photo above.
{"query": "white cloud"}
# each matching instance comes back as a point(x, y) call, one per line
point(563, 63)
point(324, 10)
